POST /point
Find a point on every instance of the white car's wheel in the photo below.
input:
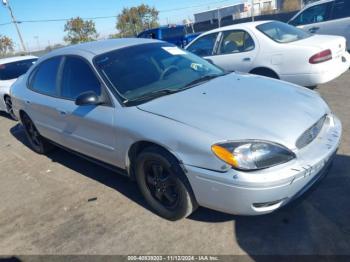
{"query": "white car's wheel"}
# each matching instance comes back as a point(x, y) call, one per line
point(9, 107)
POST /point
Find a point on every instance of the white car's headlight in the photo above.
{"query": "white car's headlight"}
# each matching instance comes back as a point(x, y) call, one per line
point(252, 155)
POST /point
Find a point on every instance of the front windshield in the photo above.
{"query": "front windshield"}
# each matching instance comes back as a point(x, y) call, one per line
point(138, 71)
point(281, 32)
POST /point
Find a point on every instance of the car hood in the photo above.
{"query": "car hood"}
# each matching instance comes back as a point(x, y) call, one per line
point(235, 107)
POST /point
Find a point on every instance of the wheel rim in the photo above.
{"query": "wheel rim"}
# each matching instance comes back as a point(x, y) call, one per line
point(9, 107)
point(32, 132)
point(161, 183)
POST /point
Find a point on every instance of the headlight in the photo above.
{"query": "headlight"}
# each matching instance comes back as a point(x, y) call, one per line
point(252, 155)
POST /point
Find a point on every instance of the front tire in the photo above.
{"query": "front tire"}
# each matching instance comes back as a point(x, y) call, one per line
point(163, 184)
point(38, 143)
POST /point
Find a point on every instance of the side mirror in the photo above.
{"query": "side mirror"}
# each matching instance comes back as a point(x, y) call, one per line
point(88, 98)
point(209, 60)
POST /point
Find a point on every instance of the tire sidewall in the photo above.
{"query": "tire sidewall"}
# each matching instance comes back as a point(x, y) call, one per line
point(40, 149)
point(184, 206)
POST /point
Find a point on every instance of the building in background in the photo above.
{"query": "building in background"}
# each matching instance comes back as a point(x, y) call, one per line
point(265, 6)
point(218, 13)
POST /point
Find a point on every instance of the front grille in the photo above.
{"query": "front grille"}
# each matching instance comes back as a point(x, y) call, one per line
point(309, 135)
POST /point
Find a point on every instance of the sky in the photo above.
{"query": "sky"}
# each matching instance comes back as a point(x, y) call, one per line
point(39, 35)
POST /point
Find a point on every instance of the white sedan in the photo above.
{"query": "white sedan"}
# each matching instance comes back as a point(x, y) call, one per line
point(10, 69)
point(275, 49)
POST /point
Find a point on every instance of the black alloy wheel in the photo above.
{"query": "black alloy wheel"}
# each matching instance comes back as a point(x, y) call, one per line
point(161, 183)
point(38, 143)
point(164, 184)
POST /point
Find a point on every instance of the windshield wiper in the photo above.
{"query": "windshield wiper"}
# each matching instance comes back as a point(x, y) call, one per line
point(151, 95)
point(202, 79)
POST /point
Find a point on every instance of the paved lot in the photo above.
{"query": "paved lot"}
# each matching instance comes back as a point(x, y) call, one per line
point(48, 207)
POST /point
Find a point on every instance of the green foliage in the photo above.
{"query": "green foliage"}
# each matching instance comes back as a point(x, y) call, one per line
point(136, 19)
point(6, 45)
point(79, 31)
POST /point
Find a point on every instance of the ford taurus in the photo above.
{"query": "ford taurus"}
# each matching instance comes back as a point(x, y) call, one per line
point(189, 133)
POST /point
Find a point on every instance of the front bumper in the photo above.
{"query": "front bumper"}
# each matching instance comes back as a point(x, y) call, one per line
point(261, 192)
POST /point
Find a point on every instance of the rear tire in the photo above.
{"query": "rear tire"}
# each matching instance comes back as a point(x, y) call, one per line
point(164, 185)
point(9, 107)
point(311, 87)
point(38, 143)
point(265, 72)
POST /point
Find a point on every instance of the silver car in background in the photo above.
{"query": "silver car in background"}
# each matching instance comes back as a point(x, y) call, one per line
point(189, 133)
point(325, 17)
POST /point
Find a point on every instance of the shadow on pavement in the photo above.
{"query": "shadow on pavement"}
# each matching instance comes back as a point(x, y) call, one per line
point(80, 165)
point(5, 115)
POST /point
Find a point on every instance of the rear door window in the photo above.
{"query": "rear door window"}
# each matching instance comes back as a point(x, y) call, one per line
point(341, 9)
point(314, 14)
point(15, 69)
point(236, 41)
point(44, 79)
point(78, 78)
point(204, 46)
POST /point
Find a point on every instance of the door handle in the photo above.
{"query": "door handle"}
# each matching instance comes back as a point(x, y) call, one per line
point(27, 102)
point(314, 29)
point(246, 59)
point(62, 112)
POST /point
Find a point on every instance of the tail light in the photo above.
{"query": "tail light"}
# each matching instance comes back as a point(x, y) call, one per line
point(321, 57)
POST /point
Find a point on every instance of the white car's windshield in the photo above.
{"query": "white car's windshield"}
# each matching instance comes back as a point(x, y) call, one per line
point(281, 32)
point(155, 69)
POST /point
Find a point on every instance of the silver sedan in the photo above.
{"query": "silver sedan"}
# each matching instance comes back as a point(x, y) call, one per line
point(189, 133)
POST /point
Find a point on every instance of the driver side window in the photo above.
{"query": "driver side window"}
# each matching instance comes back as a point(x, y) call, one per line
point(314, 14)
point(77, 78)
point(204, 46)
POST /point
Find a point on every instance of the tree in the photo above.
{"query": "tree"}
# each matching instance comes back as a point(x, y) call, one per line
point(136, 19)
point(6, 45)
point(80, 31)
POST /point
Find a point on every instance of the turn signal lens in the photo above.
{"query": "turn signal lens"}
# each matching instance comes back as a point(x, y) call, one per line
point(224, 155)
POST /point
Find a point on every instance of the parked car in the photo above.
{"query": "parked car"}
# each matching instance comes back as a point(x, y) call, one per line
point(326, 17)
point(189, 133)
point(274, 49)
point(10, 69)
point(176, 34)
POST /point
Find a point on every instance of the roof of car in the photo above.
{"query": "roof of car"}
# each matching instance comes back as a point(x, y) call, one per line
point(240, 25)
point(318, 3)
point(102, 46)
point(15, 59)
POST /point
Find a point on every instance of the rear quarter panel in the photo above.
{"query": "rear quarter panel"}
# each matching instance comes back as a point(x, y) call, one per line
point(283, 58)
